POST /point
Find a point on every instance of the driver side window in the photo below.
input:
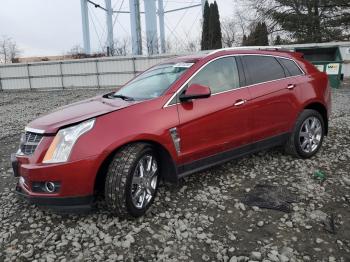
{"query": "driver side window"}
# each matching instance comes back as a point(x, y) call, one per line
point(220, 75)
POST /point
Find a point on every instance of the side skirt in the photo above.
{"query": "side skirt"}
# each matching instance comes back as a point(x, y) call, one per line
point(204, 163)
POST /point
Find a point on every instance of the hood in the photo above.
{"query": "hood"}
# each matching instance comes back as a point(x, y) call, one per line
point(78, 112)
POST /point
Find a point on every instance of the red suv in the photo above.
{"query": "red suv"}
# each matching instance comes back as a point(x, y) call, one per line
point(176, 118)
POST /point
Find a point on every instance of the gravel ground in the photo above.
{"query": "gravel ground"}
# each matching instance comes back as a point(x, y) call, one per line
point(201, 219)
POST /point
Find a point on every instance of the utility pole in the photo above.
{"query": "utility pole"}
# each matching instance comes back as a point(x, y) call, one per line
point(161, 26)
point(109, 18)
point(151, 26)
point(135, 24)
point(85, 25)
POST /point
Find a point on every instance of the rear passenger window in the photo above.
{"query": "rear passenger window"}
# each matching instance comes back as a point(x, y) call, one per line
point(220, 75)
point(291, 67)
point(262, 69)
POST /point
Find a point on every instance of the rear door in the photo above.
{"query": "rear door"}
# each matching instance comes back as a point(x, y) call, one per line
point(273, 96)
point(212, 125)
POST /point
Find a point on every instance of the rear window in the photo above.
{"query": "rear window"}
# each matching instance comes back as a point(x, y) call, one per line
point(291, 68)
point(262, 69)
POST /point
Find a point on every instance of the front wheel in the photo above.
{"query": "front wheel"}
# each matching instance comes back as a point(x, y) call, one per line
point(132, 180)
point(307, 136)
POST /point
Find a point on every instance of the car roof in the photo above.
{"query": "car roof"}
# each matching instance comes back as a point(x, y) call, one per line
point(274, 51)
point(258, 51)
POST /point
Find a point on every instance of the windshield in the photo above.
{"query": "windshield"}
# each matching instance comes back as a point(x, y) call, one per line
point(154, 82)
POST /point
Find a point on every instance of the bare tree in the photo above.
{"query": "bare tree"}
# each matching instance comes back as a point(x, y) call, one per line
point(122, 47)
point(77, 49)
point(9, 51)
point(77, 52)
point(192, 45)
point(228, 28)
point(168, 46)
point(245, 19)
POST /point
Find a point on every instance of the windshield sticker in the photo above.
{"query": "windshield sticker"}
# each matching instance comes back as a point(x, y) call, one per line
point(186, 65)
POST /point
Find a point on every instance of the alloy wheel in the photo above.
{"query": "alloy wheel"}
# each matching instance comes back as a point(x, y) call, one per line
point(144, 181)
point(310, 134)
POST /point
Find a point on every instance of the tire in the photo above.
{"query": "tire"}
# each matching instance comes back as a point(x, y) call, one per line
point(304, 144)
point(125, 185)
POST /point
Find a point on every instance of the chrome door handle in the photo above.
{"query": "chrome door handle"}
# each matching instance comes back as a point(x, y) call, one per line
point(291, 86)
point(240, 102)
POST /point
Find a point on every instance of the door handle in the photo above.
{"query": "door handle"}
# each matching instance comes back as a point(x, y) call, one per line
point(291, 86)
point(240, 102)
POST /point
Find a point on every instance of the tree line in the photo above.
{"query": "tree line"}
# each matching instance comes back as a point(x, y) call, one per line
point(278, 22)
point(254, 22)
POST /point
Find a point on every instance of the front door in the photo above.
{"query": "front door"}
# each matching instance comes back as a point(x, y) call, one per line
point(213, 125)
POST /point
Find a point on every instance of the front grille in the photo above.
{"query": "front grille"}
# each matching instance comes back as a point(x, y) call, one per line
point(29, 142)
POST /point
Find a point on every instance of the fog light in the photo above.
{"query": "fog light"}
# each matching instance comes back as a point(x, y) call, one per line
point(46, 187)
point(50, 187)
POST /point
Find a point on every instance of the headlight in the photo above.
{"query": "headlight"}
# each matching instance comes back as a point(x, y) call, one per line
point(64, 141)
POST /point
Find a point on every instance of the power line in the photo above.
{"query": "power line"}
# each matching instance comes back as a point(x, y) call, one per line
point(195, 20)
point(126, 31)
point(98, 37)
point(115, 4)
point(99, 23)
point(173, 33)
point(96, 5)
point(182, 17)
point(116, 16)
point(166, 4)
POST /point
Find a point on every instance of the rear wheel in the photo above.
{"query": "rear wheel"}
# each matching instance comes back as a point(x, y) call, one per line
point(307, 136)
point(132, 180)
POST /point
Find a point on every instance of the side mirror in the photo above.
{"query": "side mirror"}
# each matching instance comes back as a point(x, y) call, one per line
point(195, 91)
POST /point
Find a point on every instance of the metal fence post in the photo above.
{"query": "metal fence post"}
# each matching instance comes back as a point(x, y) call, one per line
point(28, 73)
point(97, 74)
point(1, 89)
point(133, 59)
point(61, 74)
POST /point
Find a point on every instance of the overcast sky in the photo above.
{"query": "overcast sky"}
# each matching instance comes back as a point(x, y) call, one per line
point(53, 27)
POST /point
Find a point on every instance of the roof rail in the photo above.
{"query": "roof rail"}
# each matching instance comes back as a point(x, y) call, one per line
point(274, 48)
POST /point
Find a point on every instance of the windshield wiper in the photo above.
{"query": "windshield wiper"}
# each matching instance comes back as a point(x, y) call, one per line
point(126, 98)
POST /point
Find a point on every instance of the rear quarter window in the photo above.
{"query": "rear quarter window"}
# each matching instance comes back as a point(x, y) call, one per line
point(262, 69)
point(290, 66)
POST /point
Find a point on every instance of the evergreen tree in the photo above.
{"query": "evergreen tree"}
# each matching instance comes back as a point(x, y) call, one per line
point(258, 36)
point(215, 27)
point(263, 35)
point(205, 29)
point(311, 20)
point(245, 41)
point(278, 40)
point(211, 32)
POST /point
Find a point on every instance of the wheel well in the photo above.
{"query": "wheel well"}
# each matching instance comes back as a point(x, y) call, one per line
point(322, 110)
point(167, 165)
